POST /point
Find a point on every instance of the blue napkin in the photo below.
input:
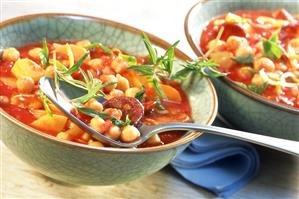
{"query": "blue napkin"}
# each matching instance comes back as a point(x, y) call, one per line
point(221, 165)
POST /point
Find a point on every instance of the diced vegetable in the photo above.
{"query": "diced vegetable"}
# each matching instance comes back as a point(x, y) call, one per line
point(171, 93)
point(77, 51)
point(54, 123)
point(27, 67)
point(9, 81)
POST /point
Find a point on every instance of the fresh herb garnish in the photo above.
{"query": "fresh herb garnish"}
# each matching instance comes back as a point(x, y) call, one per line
point(160, 68)
point(44, 54)
point(93, 87)
point(94, 113)
point(271, 47)
point(45, 102)
point(200, 67)
point(130, 59)
point(248, 59)
point(140, 95)
point(99, 45)
point(76, 66)
point(253, 87)
point(144, 70)
point(159, 104)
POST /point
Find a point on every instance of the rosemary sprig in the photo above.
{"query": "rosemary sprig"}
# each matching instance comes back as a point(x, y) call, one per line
point(94, 113)
point(44, 54)
point(200, 67)
point(93, 87)
point(161, 67)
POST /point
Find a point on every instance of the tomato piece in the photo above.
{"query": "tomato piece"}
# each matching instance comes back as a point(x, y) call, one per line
point(289, 32)
point(231, 29)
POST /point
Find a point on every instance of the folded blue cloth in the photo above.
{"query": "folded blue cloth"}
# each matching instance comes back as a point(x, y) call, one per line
point(221, 165)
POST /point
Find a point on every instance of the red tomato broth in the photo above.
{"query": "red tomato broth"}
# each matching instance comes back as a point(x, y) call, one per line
point(27, 117)
point(255, 34)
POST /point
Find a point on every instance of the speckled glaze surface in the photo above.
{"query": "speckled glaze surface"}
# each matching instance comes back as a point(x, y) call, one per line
point(81, 164)
point(240, 107)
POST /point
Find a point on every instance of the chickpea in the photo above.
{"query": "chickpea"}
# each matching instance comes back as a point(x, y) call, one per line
point(74, 130)
point(119, 65)
point(114, 133)
point(122, 83)
point(11, 54)
point(94, 104)
point(96, 63)
point(63, 136)
point(216, 45)
point(113, 112)
point(265, 63)
point(129, 134)
point(243, 51)
point(246, 72)
point(86, 137)
point(131, 92)
point(4, 99)
point(116, 93)
point(83, 43)
point(224, 59)
point(97, 124)
point(25, 84)
point(108, 79)
point(257, 80)
point(49, 72)
point(34, 53)
point(108, 71)
point(95, 143)
point(234, 42)
point(154, 140)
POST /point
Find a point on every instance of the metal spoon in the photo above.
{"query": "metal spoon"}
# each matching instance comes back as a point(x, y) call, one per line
point(61, 98)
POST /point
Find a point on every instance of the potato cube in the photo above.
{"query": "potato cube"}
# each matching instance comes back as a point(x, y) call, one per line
point(54, 123)
point(27, 67)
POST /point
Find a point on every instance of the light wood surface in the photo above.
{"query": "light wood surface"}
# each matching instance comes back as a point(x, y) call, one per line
point(278, 179)
point(279, 175)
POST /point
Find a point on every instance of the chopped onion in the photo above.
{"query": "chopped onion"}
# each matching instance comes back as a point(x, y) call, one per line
point(286, 75)
point(267, 79)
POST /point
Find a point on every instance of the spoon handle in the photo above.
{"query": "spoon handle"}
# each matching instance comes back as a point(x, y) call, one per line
point(288, 146)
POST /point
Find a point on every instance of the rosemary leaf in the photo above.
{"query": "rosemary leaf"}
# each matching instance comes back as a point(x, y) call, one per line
point(76, 66)
point(152, 52)
point(44, 54)
point(145, 70)
point(140, 95)
point(94, 113)
point(45, 102)
point(158, 89)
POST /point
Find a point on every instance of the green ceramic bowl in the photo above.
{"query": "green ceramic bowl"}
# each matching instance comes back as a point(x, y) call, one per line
point(244, 109)
point(81, 164)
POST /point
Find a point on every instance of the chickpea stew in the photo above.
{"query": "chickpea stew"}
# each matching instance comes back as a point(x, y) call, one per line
point(104, 72)
point(258, 50)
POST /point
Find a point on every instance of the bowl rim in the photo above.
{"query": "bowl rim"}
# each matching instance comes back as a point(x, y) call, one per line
point(227, 81)
point(155, 40)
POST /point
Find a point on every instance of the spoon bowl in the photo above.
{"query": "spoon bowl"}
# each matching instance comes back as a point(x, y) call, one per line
point(134, 108)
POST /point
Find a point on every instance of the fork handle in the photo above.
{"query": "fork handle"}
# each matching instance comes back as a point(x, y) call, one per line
point(287, 146)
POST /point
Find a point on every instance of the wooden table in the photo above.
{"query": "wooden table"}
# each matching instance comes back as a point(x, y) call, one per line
point(279, 176)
